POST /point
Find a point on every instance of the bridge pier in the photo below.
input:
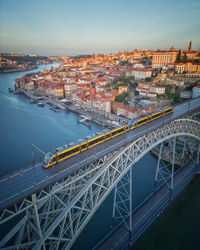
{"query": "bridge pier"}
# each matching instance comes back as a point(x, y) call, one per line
point(123, 203)
point(172, 171)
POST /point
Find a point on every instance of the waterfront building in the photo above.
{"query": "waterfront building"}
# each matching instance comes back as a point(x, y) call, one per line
point(99, 105)
point(29, 86)
point(55, 90)
point(69, 88)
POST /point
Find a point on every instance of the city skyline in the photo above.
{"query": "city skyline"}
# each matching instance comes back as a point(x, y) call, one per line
point(70, 28)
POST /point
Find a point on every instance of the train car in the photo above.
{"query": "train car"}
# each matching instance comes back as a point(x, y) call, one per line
point(150, 117)
point(63, 152)
point(68, 150)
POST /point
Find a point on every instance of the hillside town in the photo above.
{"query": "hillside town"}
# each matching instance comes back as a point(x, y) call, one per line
point(126, 84)
point(14, 62)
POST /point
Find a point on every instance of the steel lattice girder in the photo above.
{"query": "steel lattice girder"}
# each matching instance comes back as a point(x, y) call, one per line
point(55, 216)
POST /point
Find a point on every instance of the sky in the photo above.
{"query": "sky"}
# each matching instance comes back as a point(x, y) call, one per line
point(70, 27)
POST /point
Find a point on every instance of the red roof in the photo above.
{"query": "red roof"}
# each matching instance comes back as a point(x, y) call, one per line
point(144, 70)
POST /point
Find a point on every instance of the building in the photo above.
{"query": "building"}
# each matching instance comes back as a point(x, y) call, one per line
point(55, 90)
point(122, 89)
point(196, 91)
point(141, 73)
point(192, 67)
point(99, 105)
point(179, 67)
point(185, 94)
point(69, 88)
point(160, 90)
point(190, 46)
point(144, 85)
point(164, 58)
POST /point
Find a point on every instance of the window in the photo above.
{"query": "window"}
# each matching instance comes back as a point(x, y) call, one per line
point(141, 121)
point(83, 146)
point(74, 150)
point(155, 115)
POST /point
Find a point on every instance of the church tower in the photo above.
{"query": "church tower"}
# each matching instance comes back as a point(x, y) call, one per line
point(190, 46)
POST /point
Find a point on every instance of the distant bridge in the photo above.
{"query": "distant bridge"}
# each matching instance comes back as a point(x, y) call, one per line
point(48, 209)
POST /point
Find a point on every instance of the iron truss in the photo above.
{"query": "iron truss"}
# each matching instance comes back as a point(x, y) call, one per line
point(55, 216)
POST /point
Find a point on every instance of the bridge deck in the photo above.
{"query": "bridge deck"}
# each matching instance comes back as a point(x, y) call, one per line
point(148, 211)
point(21, 184)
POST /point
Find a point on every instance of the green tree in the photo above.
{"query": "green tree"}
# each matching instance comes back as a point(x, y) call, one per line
point(122, 97)
point(185, 58)
point(178, 58)
point(148, 79)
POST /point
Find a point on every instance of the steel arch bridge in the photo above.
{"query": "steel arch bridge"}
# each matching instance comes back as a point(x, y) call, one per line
point(54, 217)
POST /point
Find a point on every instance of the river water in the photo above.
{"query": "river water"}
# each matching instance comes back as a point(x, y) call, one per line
point(23, 124)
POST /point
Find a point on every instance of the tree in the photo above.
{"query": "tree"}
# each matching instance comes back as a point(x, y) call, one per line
point(185, 58)
point(178, 58)
point(122, 97)
point(148, 79)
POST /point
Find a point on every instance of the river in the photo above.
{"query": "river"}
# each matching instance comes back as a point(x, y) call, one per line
point(23, 124)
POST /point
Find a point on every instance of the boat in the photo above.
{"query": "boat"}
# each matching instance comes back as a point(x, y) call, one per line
point(41, 104)
point(54, 109)
point(10, 90)
point(33, 101)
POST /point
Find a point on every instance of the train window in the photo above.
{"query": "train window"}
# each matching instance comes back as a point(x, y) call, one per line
point(75, 150)
point(54, 159)
point(72, 151)
point(84, 146)
point(155, 115)
point(65, 154)
point(167, 111)
point(60, 157)
point(120, 130)
point(98, 140)
point(101, 138)
point(140, 122)
point(90, 143)
point(108, 135)
point(114, 133)
point(93, 142)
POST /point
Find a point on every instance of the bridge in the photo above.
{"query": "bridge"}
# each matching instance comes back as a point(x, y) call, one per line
point(49, 208)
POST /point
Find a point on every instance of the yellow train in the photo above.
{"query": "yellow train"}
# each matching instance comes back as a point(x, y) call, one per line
point(66, 151)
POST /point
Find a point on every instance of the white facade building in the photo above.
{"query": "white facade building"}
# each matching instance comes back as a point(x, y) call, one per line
point(157, 89)
point(141, 73)
point(196, 91)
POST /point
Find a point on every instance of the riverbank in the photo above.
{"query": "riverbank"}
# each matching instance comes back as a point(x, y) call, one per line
point(12, 70)
point(54, 103)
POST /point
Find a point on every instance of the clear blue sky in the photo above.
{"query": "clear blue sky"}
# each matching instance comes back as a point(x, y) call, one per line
point(59, 27)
